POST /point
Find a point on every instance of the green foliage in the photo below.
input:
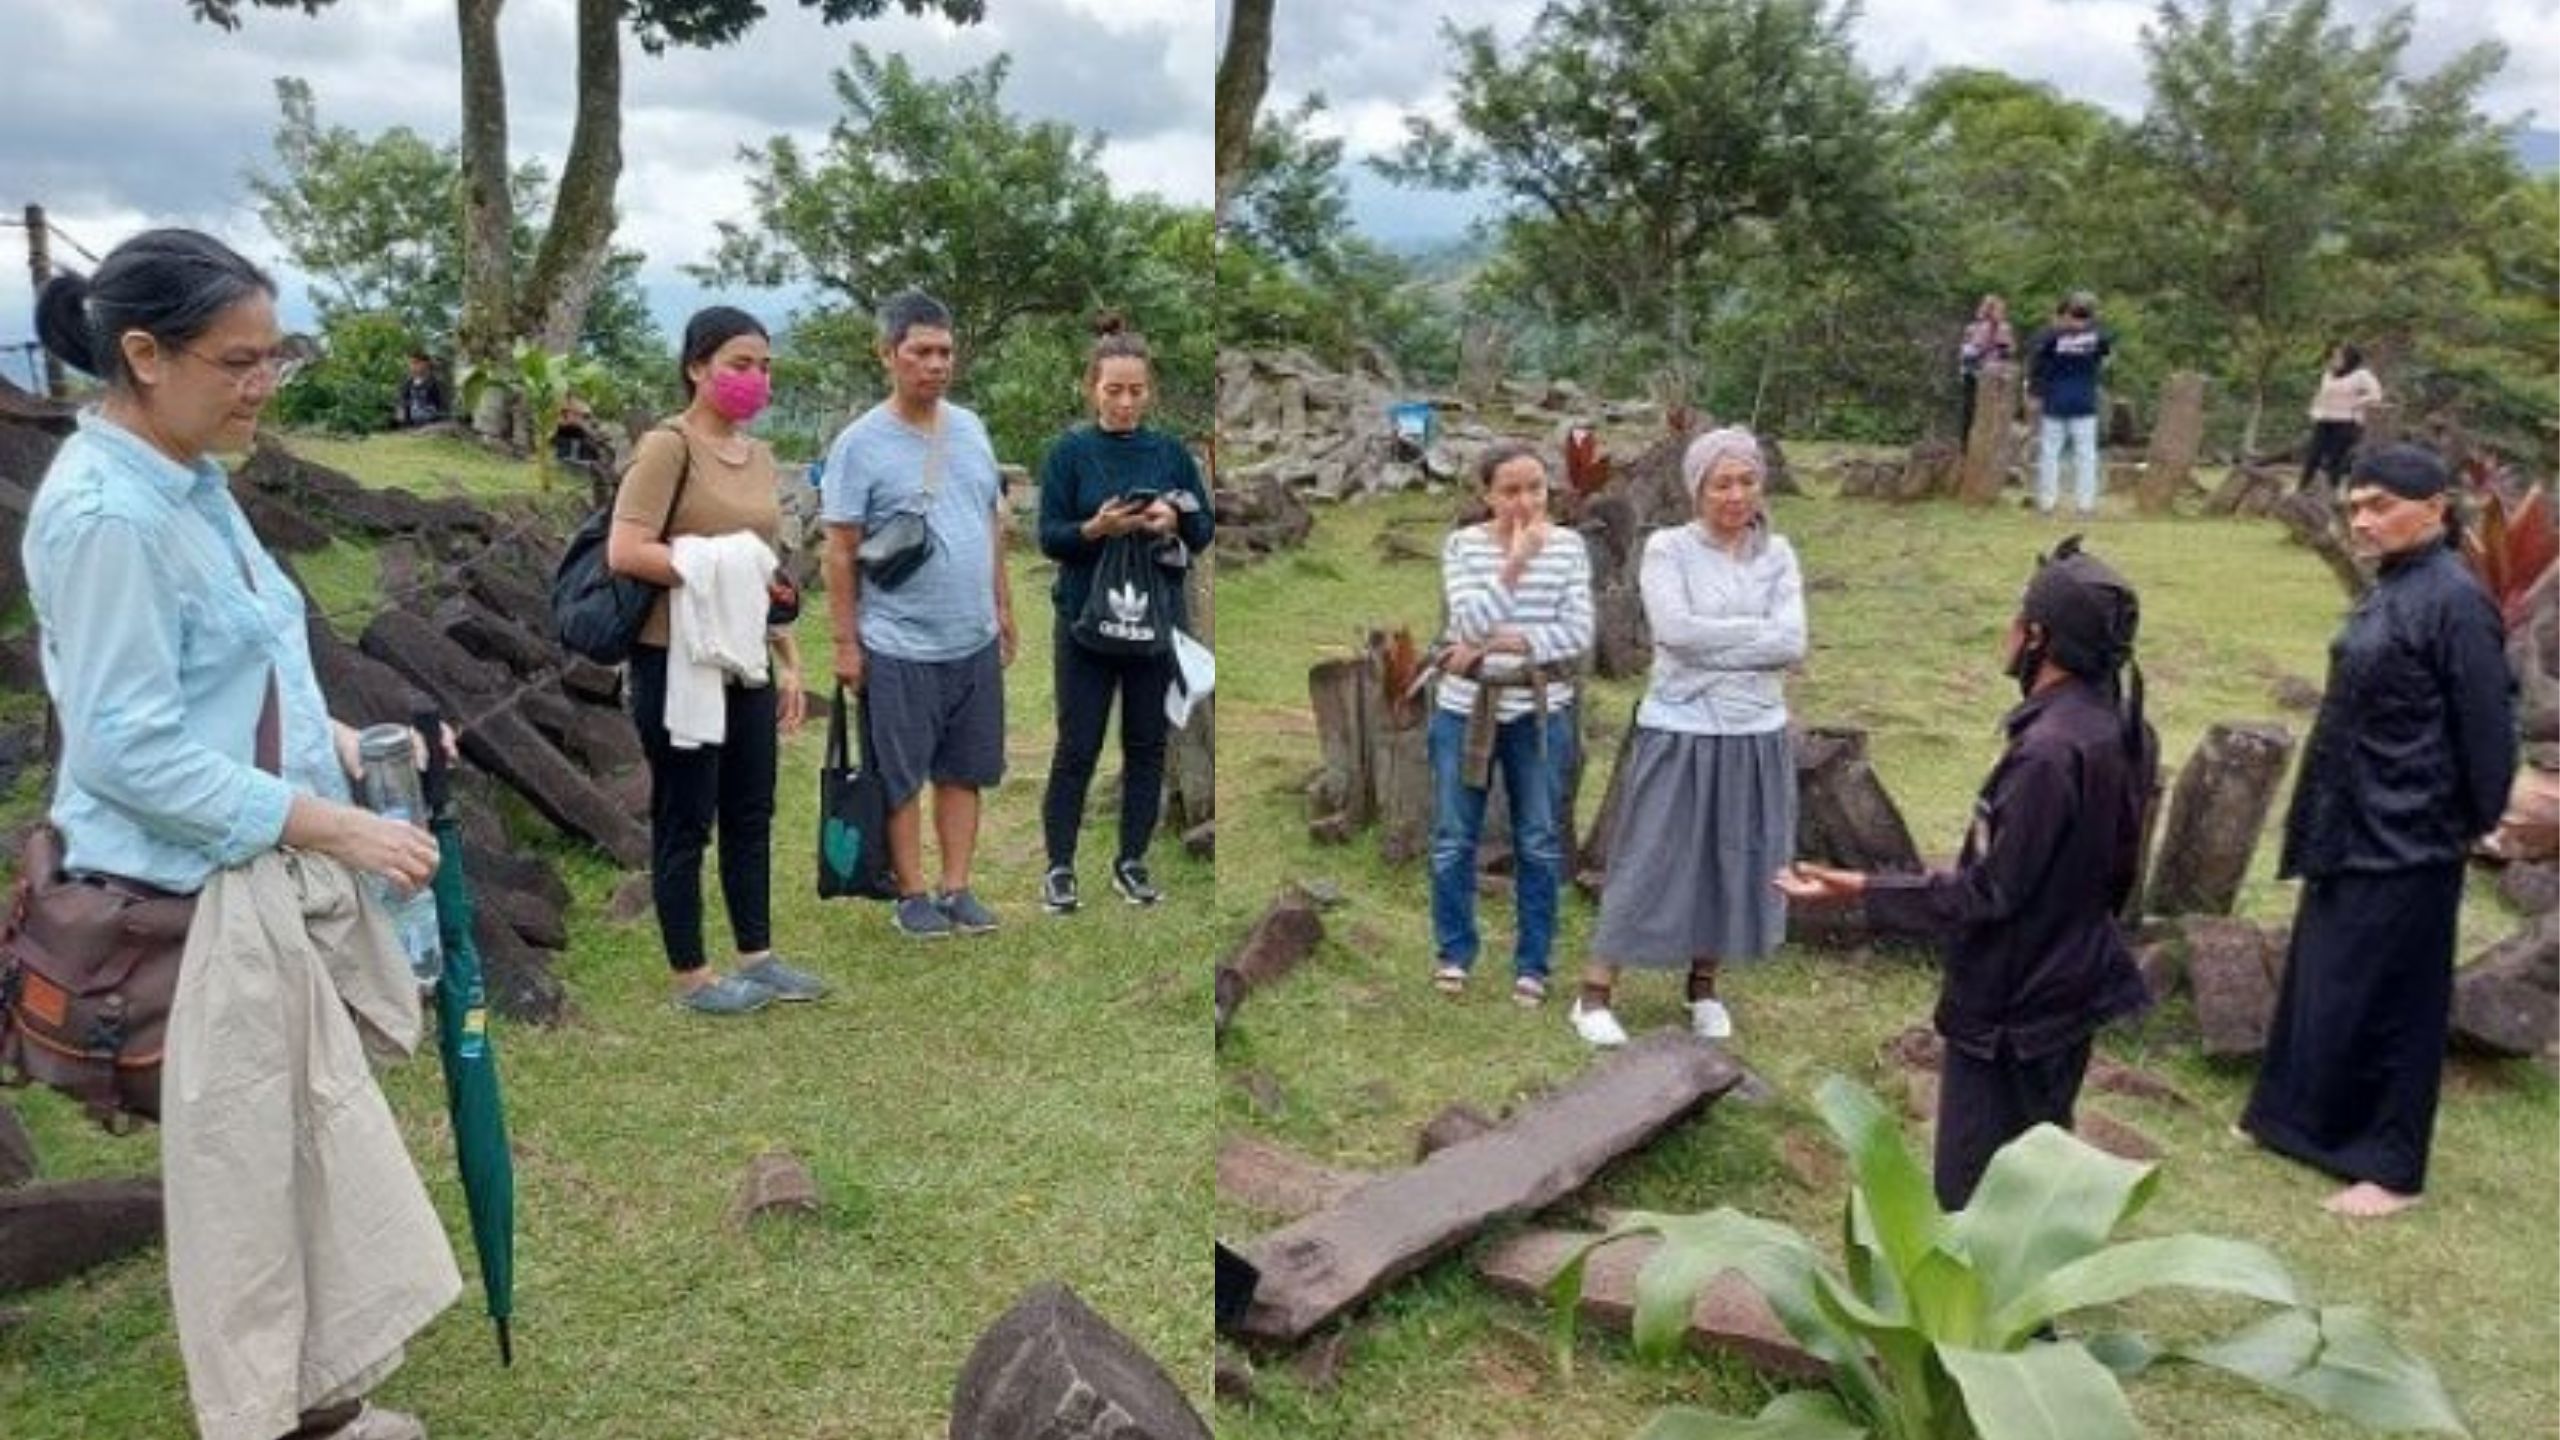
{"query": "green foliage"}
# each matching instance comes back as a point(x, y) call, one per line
point(2292, 182)
point(544, 384)
point(1293, 272)
point(349, 389)
point(913, 165)
point(1938, 1326)
point(1759, 135)
point(376, 222)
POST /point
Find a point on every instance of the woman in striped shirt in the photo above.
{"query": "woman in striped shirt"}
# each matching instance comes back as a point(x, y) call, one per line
point(1518, 593)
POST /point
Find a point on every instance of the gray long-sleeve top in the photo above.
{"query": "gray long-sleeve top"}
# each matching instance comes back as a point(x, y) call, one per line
point(1726, 628)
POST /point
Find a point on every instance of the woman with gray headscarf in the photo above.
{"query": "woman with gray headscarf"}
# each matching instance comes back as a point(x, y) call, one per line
point(1710, 809)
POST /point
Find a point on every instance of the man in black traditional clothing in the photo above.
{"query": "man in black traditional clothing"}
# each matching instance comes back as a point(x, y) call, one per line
point(2035, 960)
point(2408, 764)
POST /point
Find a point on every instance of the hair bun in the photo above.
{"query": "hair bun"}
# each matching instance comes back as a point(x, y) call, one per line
point(62, 321)
point(1110, 322)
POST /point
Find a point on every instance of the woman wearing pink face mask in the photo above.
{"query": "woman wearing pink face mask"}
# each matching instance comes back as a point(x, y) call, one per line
point(701, 474)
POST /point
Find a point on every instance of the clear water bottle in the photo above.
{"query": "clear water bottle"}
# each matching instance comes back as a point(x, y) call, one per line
point(390, 787)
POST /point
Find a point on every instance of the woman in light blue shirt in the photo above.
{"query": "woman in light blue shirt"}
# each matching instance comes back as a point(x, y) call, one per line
point(171, 640)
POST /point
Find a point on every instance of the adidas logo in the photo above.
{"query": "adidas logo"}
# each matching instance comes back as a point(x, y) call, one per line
point(1128, 614)
point(1128, 604)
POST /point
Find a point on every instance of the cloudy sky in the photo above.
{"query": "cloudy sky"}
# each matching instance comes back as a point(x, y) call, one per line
point(1377, 60)
point(126, 113)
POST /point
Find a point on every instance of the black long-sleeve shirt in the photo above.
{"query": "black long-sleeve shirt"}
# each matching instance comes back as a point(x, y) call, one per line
point(1091, 466)
point(2415, 745)
point(2035, 961)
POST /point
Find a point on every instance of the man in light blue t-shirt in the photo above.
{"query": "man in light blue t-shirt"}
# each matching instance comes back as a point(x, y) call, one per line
point(928, 653)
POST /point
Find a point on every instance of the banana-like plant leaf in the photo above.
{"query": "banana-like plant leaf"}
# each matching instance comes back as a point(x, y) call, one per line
point(2342, 1360)
point(2191, 1262)
point(2047, 1199)
point(1899, 1202)
point(1901, 1350)
point(2044, 1392)
point(1796, 1415)
point(1781, 1264)
point(2123, 1351)
point(1947, 1299)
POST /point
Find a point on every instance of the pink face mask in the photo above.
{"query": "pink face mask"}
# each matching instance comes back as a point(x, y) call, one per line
point(740, 394)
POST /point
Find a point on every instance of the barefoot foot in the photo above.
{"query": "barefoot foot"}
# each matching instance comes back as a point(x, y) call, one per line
point(2367, 1201)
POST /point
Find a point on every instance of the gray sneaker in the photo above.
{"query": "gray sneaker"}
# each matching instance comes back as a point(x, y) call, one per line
point(965, 913)
point(785, 982)
point(919, 918)
point(728, 995)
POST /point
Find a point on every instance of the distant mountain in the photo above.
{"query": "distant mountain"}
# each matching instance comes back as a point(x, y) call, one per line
point(2537, 150)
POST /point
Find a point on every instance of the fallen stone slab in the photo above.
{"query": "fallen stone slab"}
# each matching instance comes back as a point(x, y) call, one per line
point(56, 1229)
point(505, 868)
point(775, 1183)
point(1730, 1315)
point(1286, 935)
point(1233, 1377)
point(514, 975)
point(2533, 889)
point(1453, 1124)
point(1277, 1181)
point(2113, 1135)
point(2235, 970)
point(1321, 1266)
point(2507, 1002)
point(1052, 1369)
point(17, 1151)
point(538, 924)
point(2113, 1077)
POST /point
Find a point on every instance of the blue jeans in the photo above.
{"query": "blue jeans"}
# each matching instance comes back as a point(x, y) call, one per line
point(1534, 778)
point(2082, 431)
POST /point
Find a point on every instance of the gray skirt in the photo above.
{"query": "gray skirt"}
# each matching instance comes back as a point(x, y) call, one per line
point(1706, 822)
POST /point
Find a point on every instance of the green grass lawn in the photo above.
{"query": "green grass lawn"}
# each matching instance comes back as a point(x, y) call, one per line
point(980, 1114)
point(1347, 1058)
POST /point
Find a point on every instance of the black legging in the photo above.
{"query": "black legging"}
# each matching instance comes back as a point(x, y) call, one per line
point(689, 790)
point(1086, 683)
point(2332, 442)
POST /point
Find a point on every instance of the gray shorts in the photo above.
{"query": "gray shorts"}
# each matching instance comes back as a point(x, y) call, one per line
point(938, 720)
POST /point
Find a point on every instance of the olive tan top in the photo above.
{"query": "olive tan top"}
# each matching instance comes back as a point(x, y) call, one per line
point(719, 498)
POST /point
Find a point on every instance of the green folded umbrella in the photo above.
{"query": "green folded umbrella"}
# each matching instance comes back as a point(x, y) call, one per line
point(470, 1057)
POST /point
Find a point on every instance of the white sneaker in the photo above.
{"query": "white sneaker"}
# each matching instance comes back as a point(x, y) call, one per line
point(1709, 1020)
point(1597, 1027)
point(375, 1423)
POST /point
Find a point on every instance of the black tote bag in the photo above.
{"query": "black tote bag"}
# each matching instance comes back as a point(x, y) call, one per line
point(853, 815)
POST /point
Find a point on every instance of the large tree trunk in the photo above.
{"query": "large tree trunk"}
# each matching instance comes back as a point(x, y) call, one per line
point(1244, 72)
point(488, 212)
point(571, 261)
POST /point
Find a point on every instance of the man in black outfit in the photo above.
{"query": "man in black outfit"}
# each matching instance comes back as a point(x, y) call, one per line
point(2035, 961)
point(2408, 764)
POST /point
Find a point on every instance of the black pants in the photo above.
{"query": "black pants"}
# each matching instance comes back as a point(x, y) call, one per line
point(1985, 1104)
point(2355, 1055)
point(1086, 683)
point(730, 784)
point(1964, 422)
point(2332, 443)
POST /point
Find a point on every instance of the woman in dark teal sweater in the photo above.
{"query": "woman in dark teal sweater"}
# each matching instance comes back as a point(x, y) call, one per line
point(1101, 481)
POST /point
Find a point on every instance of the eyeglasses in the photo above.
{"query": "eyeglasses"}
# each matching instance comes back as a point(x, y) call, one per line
point(278, 366)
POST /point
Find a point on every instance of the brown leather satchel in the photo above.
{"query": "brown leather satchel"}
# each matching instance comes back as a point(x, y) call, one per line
point(88, 969)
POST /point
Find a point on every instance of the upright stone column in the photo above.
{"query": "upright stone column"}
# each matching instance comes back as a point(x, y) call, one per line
point(2175, 440)
point(1991, 446)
